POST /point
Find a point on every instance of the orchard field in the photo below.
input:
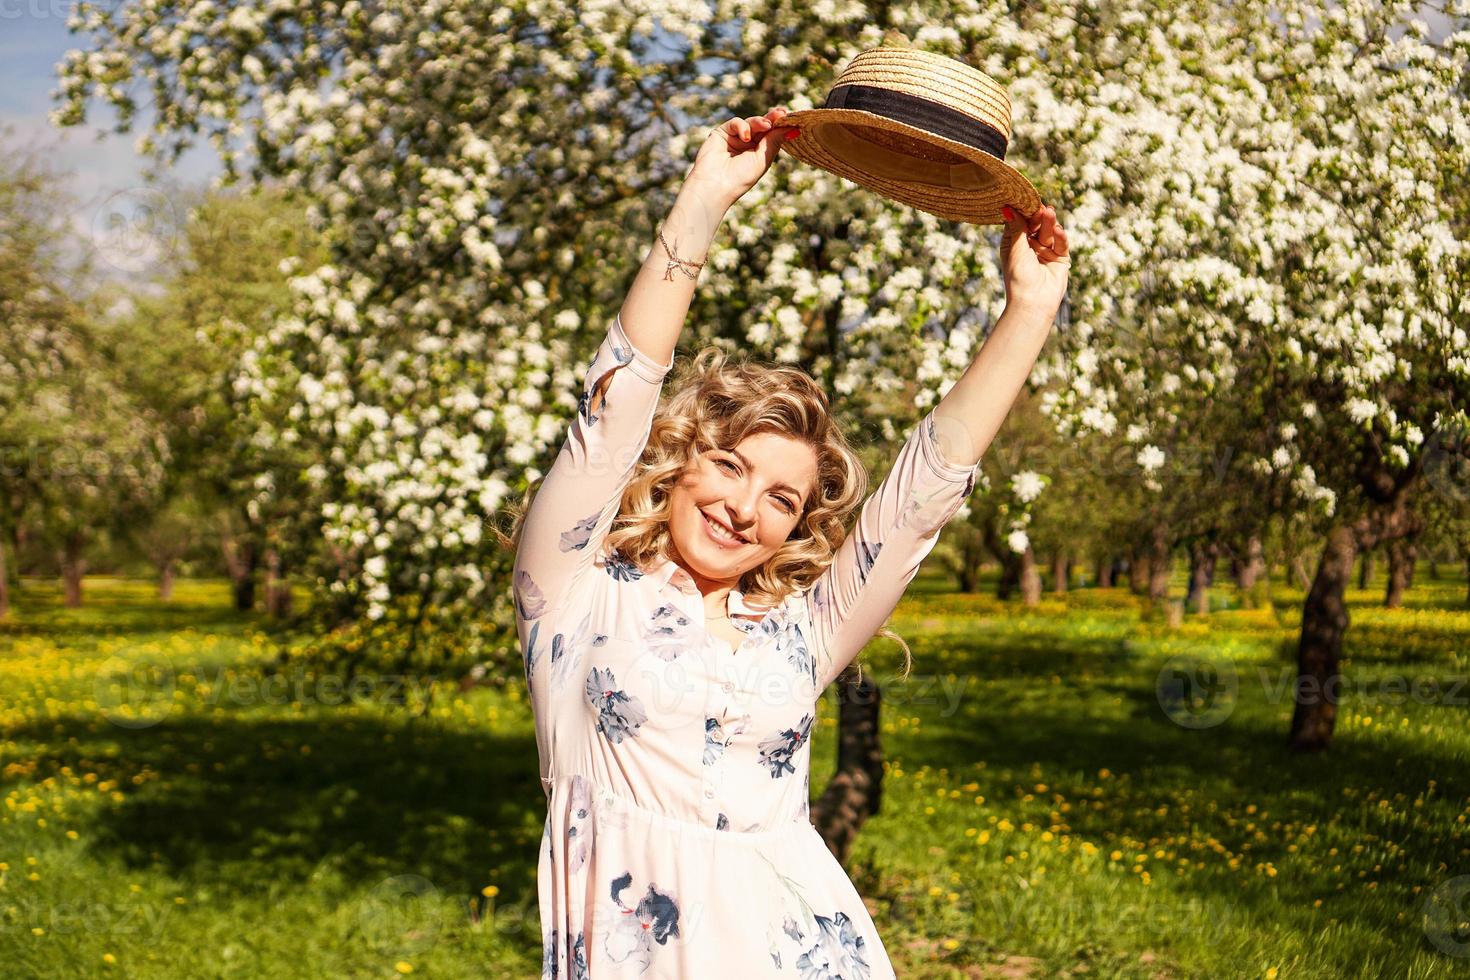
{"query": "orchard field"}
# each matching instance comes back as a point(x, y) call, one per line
point(176, 803)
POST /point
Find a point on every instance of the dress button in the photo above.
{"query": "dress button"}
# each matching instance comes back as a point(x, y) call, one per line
point(709, 792)
point(727, 687)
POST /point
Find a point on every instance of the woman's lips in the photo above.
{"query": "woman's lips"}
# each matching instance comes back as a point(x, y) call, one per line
point(709, 528)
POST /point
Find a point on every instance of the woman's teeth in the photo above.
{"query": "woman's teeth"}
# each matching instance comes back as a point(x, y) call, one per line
point(719, 532)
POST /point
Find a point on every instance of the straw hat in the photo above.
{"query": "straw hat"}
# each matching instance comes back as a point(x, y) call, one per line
point(919, 128)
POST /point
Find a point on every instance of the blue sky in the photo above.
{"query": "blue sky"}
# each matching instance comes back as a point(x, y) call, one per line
point(103, 177)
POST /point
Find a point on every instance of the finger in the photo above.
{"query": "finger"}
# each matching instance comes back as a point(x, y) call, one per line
point(1059, 244)
point(1047, 227)
point(776, 113)
point(759, 124)
point(1015, 221)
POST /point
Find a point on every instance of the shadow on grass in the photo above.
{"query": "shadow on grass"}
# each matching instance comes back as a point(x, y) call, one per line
point(1173, 781)
point(236, 804)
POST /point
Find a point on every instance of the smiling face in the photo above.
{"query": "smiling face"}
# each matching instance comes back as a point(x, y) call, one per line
point(734, 508)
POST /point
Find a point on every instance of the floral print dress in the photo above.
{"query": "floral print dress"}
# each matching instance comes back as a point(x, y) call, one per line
point(677, 841)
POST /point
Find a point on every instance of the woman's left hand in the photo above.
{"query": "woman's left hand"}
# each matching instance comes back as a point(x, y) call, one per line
point(1035, 274)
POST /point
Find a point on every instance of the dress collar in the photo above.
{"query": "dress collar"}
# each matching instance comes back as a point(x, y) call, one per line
point(667, 572)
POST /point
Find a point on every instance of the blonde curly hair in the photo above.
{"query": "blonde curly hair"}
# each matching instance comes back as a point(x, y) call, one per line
point(715, 402)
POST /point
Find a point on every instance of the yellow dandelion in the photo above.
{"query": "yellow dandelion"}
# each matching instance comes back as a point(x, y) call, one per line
point(403, 966)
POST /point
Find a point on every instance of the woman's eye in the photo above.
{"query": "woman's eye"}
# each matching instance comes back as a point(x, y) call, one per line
point(726, 462)
point(790, 507)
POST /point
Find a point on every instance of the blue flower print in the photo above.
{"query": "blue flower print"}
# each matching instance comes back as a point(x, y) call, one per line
point(567, 648)
point(621, 568)
point(531, 654)
point(836, 952)
point(548, 957)
point(819, 595)
point(655, 919)
point(669, 633)
point(866, 556)
point(778, 750)
point(793, 645)
point(618, 713)
point(576, 539)
point(584, 403)
point(579, 824)
point(714, 745)
point(530, 601)
point(550, 964)
point(579, 958)
point(717, 735)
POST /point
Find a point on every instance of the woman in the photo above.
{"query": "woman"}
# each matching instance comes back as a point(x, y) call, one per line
point(674, 664)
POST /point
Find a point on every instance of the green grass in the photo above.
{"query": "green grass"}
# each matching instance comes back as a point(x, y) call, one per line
point(168, 806)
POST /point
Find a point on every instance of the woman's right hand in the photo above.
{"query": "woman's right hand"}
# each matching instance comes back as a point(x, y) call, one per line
point(738, 153)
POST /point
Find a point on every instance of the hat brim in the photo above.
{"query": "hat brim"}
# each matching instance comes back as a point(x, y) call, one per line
point(927, 184)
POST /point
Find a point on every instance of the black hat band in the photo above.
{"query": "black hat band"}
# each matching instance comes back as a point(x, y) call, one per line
point(921, 113)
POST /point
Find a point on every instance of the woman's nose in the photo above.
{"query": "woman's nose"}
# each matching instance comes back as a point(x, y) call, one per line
point(742, 512)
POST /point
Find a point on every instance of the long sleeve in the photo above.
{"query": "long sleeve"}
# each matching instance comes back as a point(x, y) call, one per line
point(577, 502)
point(896, 529)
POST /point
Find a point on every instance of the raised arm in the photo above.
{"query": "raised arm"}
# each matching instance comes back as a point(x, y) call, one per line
point(935, 470)
point(577, 502)
point(971, 413)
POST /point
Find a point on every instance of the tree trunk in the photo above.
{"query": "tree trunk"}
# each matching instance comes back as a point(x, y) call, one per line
point(240, 560)
point(167, 571)
point(1299, 572)
point(73, 567)
point(1105, 572)
point(1252, 574)
point(1202, 558)
point(1467, 581)
point(1030, 579)
point(1365, 570)
point(1138, 573)
point(1059, 574)
point(1158, 563)
point(1325, 619)
point(4, 581)
point(1010, 578)
point(277, 588)
point(1433, 570)
point(972, 562)
point(856, 790)
point(1319, 649)
point(1401, 555)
